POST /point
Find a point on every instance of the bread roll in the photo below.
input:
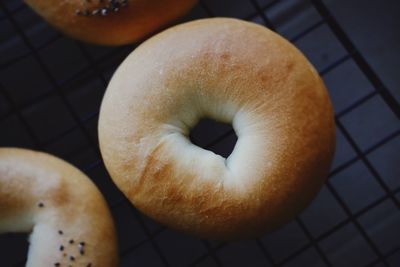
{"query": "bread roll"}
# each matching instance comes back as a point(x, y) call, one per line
point(110, 22)
point(67, 216)
point(231, 71)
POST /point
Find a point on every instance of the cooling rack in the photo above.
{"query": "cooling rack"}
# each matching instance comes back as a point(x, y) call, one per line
point(50, 92)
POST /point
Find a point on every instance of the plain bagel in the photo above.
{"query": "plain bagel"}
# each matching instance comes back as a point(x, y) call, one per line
point(231, 71)
point(110, 22)
point(68, 217)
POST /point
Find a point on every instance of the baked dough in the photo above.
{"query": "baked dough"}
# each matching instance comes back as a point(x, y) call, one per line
point(110, 22)
point(68, 217)
point(234, 72)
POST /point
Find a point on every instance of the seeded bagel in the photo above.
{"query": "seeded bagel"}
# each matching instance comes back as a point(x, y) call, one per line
point(67, 216)
point(110, 22)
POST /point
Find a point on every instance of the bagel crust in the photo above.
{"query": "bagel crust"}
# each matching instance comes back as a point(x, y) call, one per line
point(108, 22)
point(234, 72)
point(68, 217)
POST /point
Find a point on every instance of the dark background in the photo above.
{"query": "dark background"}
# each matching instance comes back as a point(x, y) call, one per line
point(51, 88)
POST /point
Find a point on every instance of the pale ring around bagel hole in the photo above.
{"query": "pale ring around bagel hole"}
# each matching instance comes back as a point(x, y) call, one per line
point(234, 72)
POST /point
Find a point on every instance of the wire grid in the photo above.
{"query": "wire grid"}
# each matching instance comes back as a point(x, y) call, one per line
point(144, 242)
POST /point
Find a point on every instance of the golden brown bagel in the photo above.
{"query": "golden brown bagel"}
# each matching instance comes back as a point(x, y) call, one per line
point(235, 72)
point(99, 22)
point(69, 219)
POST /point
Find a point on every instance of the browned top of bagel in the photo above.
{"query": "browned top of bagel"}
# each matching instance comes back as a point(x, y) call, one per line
point(130, 23)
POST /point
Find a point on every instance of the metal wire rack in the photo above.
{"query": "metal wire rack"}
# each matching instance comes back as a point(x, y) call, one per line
point(50, 92)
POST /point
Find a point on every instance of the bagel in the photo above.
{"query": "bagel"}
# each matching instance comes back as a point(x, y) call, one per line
point(231, 71)
point(110, 22)
point(68, 217)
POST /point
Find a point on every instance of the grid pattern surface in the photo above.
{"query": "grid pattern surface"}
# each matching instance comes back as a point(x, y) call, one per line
point(51, 88)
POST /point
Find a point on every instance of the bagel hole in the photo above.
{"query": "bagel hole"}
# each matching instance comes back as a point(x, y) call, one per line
point(14, 249)
point(217, 137)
